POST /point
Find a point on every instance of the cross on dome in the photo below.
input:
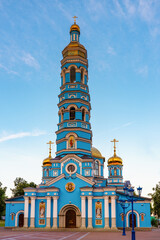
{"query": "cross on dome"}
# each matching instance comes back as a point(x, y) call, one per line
point(50, 143)
point(114, 141)
point(75, 19)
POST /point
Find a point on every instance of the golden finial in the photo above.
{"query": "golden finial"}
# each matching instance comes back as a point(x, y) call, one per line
point(50, 143)
point(114, 140)
point(75, 19)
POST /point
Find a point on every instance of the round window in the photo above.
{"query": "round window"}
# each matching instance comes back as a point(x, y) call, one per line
point(71, 168)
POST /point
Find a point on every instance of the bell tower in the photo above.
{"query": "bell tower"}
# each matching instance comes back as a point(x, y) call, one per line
point(115, 166)
point(74, 133)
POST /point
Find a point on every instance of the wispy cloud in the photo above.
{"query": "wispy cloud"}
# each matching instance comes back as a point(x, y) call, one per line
point(111, 51)
point(123, 126)
point(143, 70)
point(35, 133)
point(8, 70)
point(96, 9)
point(30, 60)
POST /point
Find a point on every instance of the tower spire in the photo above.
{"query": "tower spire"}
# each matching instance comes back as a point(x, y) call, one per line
point(114, 141)
point(50, 143)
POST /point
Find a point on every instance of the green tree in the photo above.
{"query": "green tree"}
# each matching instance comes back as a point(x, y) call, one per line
point(19, 185)
point(2, 200)
point(156, 200)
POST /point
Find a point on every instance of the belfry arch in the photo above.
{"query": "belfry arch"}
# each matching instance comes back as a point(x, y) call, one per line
point(63, 212)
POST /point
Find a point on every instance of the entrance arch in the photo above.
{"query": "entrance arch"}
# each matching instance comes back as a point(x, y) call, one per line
point(69, 216)
point(70, 219)
point(130, 220)
point(21, 220)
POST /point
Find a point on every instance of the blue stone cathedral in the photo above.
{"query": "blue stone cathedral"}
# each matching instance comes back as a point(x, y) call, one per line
point(74, 192)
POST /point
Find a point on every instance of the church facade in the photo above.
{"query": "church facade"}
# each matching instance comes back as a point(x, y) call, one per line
point(74, 192)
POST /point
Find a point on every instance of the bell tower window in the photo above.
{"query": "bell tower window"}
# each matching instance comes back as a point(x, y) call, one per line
point(72, 113)
point(72, 75)
point(62, 116)
point(83, 115)
point(96, 168)
point(82, 75)
point(115, 172)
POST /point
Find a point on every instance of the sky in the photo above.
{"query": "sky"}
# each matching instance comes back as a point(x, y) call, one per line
point(122, 40)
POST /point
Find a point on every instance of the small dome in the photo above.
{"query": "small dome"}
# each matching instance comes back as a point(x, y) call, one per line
point(75, 27)
point(47, 162)
point(96, 153)
point(115, 160)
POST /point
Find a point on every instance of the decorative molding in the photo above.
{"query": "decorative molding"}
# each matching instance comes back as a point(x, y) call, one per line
point(127, 218)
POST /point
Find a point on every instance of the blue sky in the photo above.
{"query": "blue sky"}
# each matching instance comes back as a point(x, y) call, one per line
point(122, 40)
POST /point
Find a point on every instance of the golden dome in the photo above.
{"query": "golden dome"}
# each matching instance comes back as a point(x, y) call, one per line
point(75, 27)
point(96, 153)
point(115, 160)
point(47, 162)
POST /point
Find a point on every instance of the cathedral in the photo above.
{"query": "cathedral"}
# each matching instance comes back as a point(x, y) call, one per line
point(74, 192)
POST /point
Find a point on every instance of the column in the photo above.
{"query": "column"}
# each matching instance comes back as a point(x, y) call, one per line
point(106, 211)
point(48, 225)
point(32, 219)
point(113, 211)
point(26, 202)
point(90, 212)
point(55, 199)
point(83, 211)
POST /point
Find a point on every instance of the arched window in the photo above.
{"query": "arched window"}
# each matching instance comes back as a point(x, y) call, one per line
point(96, 168)
point(83, 115)
point(63, 76)
point(142, 217)
point(115, 172)
point(47, 172)
point(72, 75)
point(72, 113)
point(110, 172)
point(82, 75)
point(122, 217)
point(62, 115)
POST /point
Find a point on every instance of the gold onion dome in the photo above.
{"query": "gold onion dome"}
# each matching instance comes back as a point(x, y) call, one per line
point(75, 27)
point(47, 161)
point(96, 153)
point(115, 160)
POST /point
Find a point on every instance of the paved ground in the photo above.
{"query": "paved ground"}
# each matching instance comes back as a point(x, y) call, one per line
point(30, 235)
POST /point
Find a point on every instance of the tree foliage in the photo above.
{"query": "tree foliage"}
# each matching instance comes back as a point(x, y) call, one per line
point(2, 200)
point(156, 200)
point(19, 185)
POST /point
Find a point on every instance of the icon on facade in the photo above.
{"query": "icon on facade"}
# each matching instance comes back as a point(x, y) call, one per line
point(70, 187)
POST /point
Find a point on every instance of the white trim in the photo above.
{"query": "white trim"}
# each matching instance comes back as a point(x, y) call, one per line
point(127, 218)
point(16, 220)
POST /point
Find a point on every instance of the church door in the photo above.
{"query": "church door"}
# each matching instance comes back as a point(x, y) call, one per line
point(70, 219)
point(130, 220)
point(21, 220)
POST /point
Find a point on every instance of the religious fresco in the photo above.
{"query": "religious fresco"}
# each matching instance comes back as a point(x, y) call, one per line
point(70, 187)
point(42, 210)
point(71, 142)
point(98, 209)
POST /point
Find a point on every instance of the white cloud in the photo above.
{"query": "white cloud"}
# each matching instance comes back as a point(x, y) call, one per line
point(30, 60)
point(35, 133)
point(111, 51)
point(8, 70)
point(123, 126)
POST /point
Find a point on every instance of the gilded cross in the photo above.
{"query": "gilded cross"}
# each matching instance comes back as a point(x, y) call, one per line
point(114, 140)
point(50, 143)
point(75, 19)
